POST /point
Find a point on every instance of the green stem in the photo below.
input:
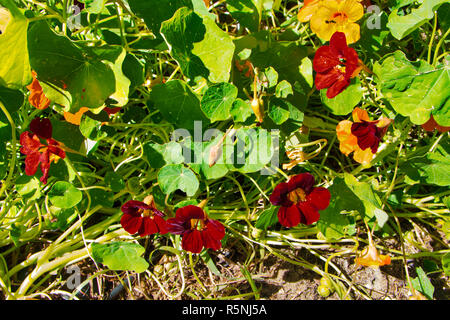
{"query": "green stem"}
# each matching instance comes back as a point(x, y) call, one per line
point(12, 163)
point(436, 51)
point(430, 45)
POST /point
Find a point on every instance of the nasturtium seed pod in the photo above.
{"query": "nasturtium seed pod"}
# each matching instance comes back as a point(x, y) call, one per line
point(326, 282)
point(323, 291)
point(258, 109)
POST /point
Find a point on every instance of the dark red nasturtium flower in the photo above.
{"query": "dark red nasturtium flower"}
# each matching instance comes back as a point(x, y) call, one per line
point(143, 218)
point(335, 65)
point(37, 152)
point(196, 229)
point(370, 133)
point(300, 201)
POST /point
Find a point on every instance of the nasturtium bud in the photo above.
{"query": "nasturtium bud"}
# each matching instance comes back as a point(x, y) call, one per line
point(323, 291)
point(326, 282)
point(258, 109)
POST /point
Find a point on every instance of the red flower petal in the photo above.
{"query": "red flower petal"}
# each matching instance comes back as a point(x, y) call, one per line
point(57, 151)
point(192, 241)
point(304, 181)
point(309, 213)
point(279, 195)
point(338, 42)
point(161, 224)
point(365, 133)
point(133, 206)
point(325, 59)
point(212, 235)
point(131, 223)
point(32, 163)
point(148, 227)
point(325, 80)
point(338, 86)
point(319, 198)
point(30, 143)
point(176, 226)
point(289, 216)
point(215, 229)
point(44, 159)
point(41, 127)
point(190, 212)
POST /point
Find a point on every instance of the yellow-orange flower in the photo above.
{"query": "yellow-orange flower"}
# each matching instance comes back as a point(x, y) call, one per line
point(330, 16)
point(75, 118)
point(37, 97)
point(348, 135)
point(371, 258)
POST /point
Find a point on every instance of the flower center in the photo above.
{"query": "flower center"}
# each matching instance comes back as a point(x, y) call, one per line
point(338, 17)
point(197, 224)
point(297, 195)
point(146, 213)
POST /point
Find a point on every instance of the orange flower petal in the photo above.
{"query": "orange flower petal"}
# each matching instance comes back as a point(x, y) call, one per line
point(37, 97)
point(359, 114)
point(371, 258)
point(348, 142)
point(75, 118)
point(363, 156)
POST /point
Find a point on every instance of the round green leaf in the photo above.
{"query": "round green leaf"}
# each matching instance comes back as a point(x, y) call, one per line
point(177, 103)
point(64, 195)
point(345, 101)
point(218, 100)
point(175, 176)
point(415, 89)
point(120, 256)
point(200, 47)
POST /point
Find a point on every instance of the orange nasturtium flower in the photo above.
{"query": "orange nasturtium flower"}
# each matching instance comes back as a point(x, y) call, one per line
point(361, 136)
point(37, 97)
point(335, 15)
point(371, 258)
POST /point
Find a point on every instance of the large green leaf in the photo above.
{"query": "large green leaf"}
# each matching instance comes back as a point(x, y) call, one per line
point(158, 155)
point(217, 101)
point(114, 56)
point(245, 12)
point(431, 168)
point(415, 89)
point(370, 201)
point(287, 58)
point(345, 101)
point(68, 69)
point(200, 47)
point(11, 99)
point(401, 26)
point(154, 12)
point(120, 256)
point(15, 71)
point(332, 223)
point(177, 103)
point(173, 177)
